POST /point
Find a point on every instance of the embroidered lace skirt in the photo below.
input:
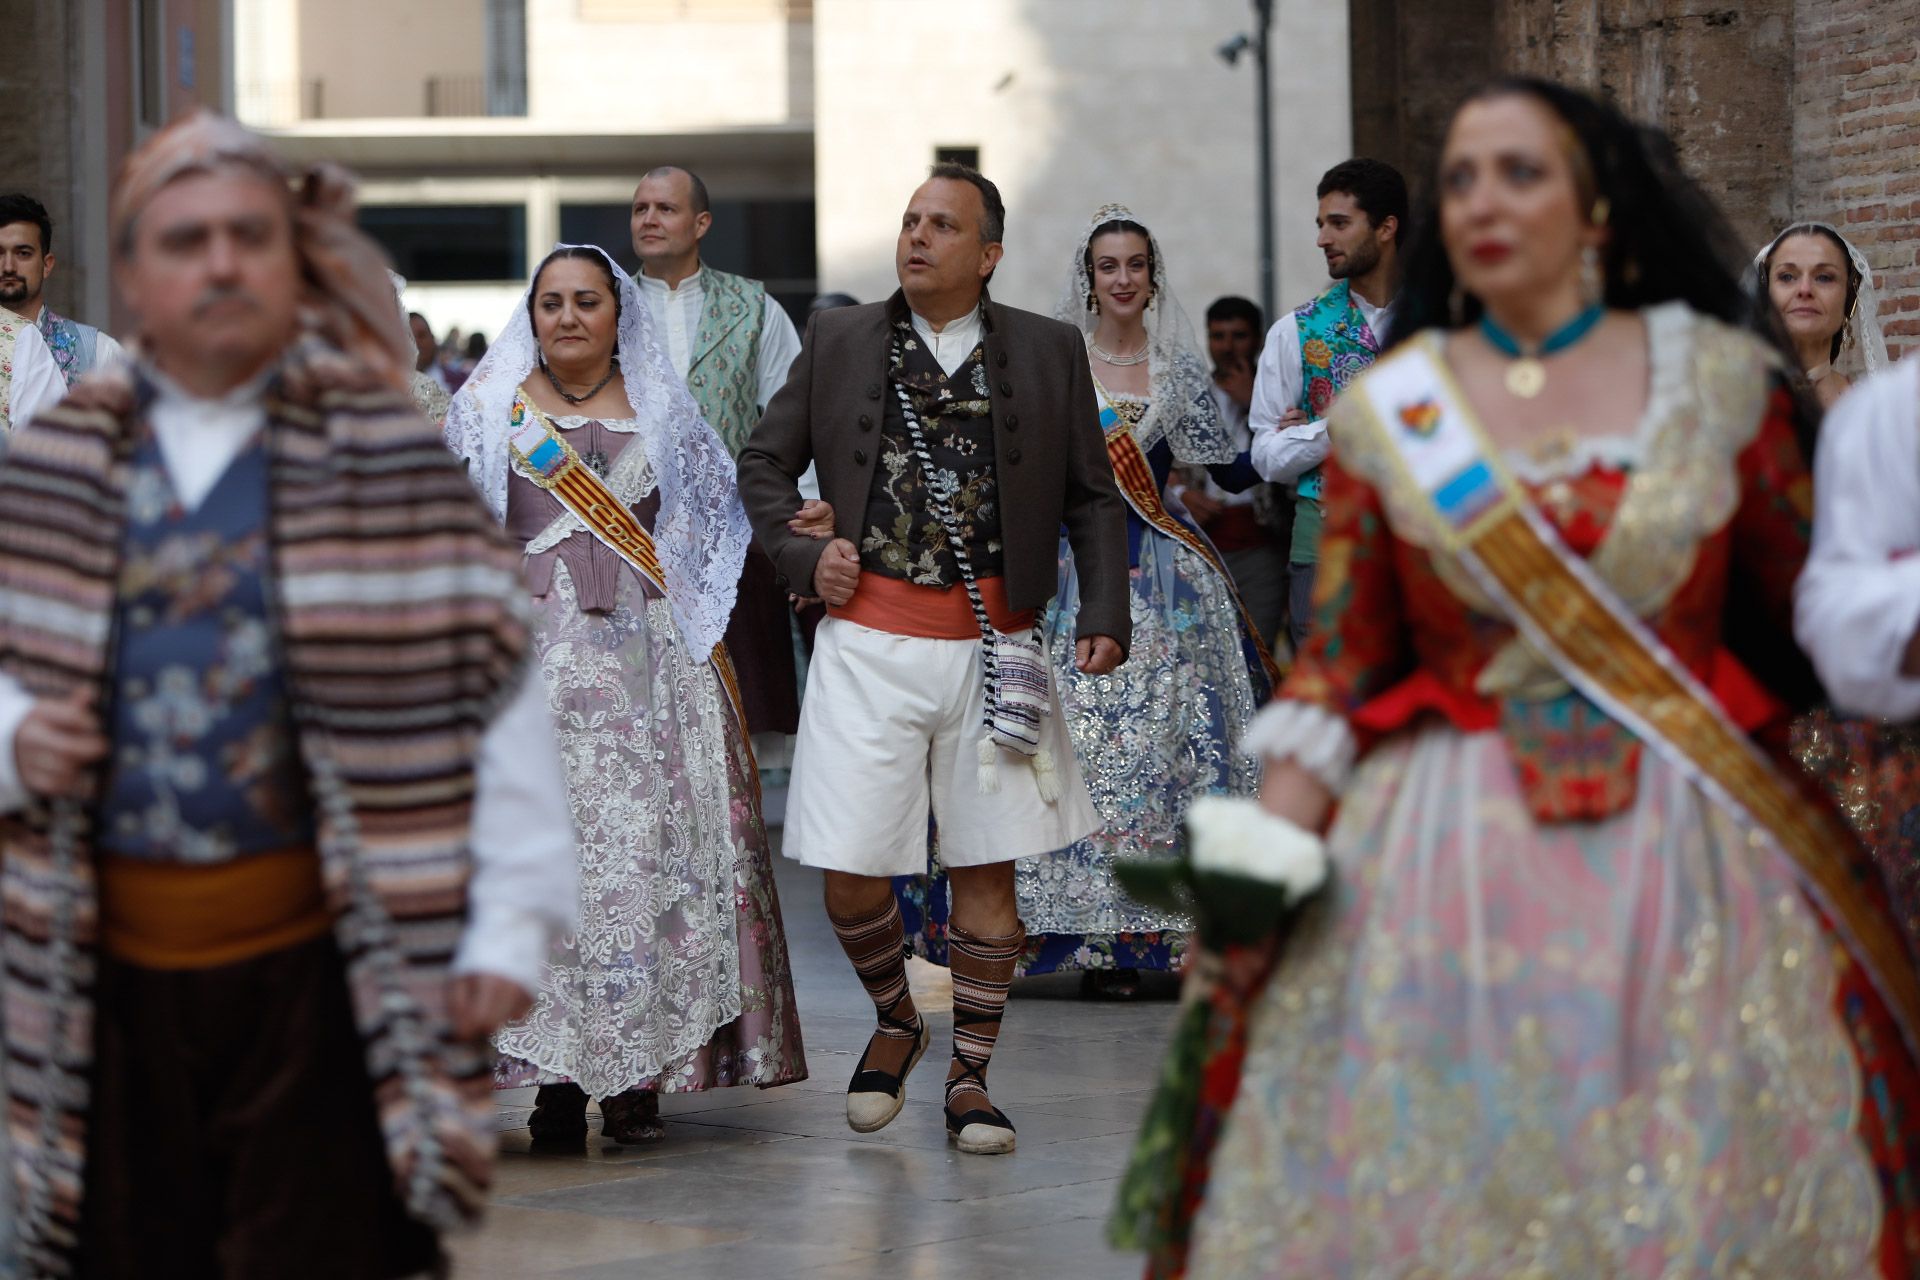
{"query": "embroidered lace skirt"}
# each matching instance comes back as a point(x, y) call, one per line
point(678, 977)
point(1591, 1049)
point(1150, 737)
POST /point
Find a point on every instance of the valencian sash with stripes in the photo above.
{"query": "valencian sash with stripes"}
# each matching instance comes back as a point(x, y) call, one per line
point(541, 454)
point(1134, 475)
point(1577, 623)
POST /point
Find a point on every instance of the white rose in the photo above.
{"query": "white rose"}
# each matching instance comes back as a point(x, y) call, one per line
point(1237, 837)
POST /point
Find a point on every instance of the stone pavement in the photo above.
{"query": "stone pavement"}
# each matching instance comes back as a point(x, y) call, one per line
point(771, 1183)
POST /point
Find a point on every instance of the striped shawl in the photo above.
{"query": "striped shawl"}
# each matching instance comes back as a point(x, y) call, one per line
point(399, 618)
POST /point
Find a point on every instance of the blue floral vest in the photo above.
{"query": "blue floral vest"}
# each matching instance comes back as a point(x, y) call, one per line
point(205, 767)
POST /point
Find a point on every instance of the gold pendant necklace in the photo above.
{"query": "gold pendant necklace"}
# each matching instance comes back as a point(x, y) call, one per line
point(1526, 377)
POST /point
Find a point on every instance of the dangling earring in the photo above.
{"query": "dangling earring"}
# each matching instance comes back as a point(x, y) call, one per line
point(1093, 303)
point(1593, 287)
point(1456, 307)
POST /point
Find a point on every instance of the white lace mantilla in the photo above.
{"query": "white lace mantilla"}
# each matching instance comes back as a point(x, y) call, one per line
point(701, 530)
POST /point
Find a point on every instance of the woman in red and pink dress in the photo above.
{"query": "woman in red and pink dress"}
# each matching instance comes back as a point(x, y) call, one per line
point(1562, 1014)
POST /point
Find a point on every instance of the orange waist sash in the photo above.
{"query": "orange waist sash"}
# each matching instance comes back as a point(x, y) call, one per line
point(166, 915)
point(902, 608)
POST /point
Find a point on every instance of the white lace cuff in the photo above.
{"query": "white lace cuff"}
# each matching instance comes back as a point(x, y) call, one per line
point(1312, 737)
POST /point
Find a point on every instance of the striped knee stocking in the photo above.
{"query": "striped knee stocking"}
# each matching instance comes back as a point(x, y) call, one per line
point(982, 976)
point(876, 945)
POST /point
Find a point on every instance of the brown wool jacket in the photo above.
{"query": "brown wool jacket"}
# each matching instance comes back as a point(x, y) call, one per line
point(1049, 455)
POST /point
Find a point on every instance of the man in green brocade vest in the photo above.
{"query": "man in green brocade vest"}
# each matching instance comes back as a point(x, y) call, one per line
point(733, 346)
point(1312, 353)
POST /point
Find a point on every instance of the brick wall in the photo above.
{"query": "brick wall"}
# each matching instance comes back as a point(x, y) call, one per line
point(1784, 109)
point(1856, 141)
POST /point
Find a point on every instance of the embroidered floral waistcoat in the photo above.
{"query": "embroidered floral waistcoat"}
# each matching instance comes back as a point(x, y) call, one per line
point(1700, 530)
point(10, 326)
point(904, 538)
point(75, 346)
point(724, 373)
point(205, 766)
point(1336, 346)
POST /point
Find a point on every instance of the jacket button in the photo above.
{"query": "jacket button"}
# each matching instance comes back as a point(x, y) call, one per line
point(1006, 388)
point(1013, 422)
point(859, 457)
point(873, 391)
point(866, 422)
point(780, 581)
point(1013, 455)
point(1001, 359)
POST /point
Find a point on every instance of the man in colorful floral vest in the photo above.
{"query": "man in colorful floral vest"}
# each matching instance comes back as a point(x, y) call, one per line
point(1312, 354)
point(284, 828)
point(733, 345)
point(26, 261)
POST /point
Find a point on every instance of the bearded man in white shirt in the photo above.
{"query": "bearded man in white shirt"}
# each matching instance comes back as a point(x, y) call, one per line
point(733, 344)
point(1312, 353)
point(284, 828)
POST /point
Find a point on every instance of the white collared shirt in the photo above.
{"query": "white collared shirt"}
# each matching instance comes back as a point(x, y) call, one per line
point(676, 316)
point(953, 344)
point(1284, 454)
point(1857, 603)
point(37, 382)
point(524, 885)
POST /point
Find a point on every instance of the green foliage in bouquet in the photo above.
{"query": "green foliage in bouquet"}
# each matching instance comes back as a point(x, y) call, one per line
point(1248, 876)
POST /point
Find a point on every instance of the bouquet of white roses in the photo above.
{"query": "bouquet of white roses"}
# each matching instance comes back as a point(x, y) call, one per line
point(1245, 877)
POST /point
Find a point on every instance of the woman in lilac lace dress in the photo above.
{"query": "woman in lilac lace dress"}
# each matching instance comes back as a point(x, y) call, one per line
point(678, 979)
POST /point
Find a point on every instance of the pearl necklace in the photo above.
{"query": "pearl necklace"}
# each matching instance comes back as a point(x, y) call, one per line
point(1138, 357)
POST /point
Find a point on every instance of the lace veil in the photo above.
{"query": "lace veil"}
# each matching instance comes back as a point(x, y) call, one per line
point(1180, 387)
point(1866, 305)
point(701, 529)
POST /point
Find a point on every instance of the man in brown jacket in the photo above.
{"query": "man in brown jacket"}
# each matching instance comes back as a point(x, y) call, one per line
point(892, 719)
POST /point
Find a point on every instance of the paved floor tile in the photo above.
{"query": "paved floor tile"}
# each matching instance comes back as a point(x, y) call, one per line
point(771, 1183)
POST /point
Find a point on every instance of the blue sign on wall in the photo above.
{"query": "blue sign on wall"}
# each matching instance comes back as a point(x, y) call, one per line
point(187, 74)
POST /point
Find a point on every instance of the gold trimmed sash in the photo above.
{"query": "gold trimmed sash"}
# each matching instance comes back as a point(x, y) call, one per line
point(1575, 621)
point(542, 455)
point(1135, 477)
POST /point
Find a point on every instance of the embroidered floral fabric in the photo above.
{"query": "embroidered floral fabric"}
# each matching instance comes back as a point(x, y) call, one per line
point(903, 538)
point(677, 978)
point(1150, 736)
point(1562, 1016)
point(204, 768)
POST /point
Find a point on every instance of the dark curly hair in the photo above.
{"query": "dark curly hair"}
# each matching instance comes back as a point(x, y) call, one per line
point(1667, 239)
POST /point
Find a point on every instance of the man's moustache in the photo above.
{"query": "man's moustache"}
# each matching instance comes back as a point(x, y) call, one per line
point(218, 296)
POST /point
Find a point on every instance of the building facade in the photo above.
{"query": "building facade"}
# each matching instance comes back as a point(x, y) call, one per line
point(485, 131)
